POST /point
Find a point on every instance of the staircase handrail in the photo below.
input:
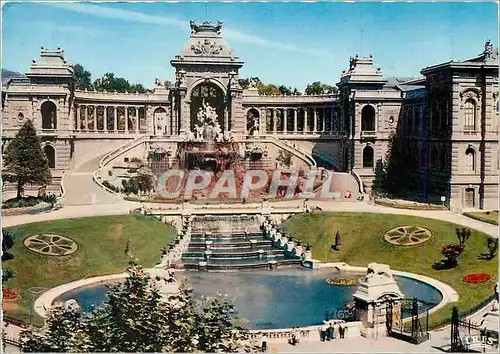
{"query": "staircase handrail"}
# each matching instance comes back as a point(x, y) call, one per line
point(113, 154)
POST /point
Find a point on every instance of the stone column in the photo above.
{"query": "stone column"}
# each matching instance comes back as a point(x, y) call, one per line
point(226, 121)
point(95, 118)
point(295, 119)
point(86, 118)
point(275, 121)
point(305, 120)
point(331, 119)
point(78, 118)
point(105, 126)
point(126, 119)
point(115, 119)
point(136, 119)
point(315, 120)
point(285, 118)
point(324, 119)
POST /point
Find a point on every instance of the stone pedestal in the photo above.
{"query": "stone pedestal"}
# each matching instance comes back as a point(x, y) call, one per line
point(377, 286)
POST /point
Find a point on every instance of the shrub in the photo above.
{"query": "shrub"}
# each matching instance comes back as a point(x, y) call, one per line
point(492, 244)
point(463, 234)
point(451, 252)
point(21, 202)
point(110, 186)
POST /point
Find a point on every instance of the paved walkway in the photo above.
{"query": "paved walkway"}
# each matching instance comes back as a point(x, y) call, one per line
point(117, 206)
point(80, 189)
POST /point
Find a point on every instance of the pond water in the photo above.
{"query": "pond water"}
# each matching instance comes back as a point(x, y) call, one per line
point(272, 299)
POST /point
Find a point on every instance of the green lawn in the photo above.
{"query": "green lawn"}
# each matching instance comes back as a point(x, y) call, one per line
point(102, 242)
point(362, 242)
point(491, 215)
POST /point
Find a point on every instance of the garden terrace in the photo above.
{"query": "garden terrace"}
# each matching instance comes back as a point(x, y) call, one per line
point(362, 242)
point(102, 243)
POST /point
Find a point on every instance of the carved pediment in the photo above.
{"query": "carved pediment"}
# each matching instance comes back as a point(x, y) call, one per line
point(206, 47)
point(470, 93)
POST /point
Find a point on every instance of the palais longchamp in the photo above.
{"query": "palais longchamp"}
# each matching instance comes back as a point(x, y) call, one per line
point(448, 118)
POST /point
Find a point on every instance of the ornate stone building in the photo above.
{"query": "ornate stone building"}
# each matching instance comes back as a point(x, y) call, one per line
point(449, 117)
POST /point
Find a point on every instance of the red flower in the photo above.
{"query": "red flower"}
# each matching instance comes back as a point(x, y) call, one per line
point(8, 294)
point(477, 278)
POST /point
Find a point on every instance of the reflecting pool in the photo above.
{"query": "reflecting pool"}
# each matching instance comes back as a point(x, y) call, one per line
point(272, 299)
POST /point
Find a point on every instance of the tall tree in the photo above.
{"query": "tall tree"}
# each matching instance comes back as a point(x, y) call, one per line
point(24, 159)
point(83, 78)
point(317, 88)
point(136, 318)
point(108, 82)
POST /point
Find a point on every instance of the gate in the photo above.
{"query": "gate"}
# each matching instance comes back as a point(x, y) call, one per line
point(468, 337)
point(408, 319)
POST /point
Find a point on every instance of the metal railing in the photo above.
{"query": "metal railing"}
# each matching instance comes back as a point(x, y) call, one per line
point(464, 313)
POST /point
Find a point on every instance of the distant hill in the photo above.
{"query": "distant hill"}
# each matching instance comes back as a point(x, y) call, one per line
point(9, 73)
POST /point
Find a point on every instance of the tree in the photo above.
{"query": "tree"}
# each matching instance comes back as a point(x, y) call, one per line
point(24, 159)
point(7, 243)
point(380, 182)
point(317, 88)
point(463, 234)
point(337, 241)
point(284, 158)
point(451, 253)
point(492, 244)
point(397, 165)
point(135, 317)
point(108, 82)
point(8, 240)
point(245, 83)
point(82, 78)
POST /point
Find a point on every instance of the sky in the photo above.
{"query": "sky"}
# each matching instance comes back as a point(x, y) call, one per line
point(282, 43)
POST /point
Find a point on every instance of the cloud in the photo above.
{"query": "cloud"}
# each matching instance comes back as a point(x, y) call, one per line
point(229, 33)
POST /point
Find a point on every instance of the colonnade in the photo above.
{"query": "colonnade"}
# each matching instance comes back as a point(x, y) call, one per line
point(91, 117)
point(317, 120)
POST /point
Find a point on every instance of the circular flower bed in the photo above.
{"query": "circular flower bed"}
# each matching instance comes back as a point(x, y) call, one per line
point(408, 235)
point(342, 281)
point(475, 278)
point(50, 245)
point(8, 294)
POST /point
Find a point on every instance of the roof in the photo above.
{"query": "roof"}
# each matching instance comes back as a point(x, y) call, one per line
point(487, 59)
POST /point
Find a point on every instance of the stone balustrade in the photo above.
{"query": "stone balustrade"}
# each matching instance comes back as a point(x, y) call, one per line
point(292, 248)
point(174, 254)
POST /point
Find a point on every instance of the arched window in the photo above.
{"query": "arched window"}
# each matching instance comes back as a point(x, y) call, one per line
point(49, 115)
point(50, 152)
point(470, 160)
point(368, 119)
point(368, 157)
point(160, 121)
point(211, 94)
point(470, 114)
point(252, 121)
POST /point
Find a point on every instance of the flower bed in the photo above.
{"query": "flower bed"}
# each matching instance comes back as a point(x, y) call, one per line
point(403, 204)
point(8, 294)
point(40, 207)
point(342, 281)
point(475, 278)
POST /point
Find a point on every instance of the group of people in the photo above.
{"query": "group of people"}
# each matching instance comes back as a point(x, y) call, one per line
point(329, 332)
